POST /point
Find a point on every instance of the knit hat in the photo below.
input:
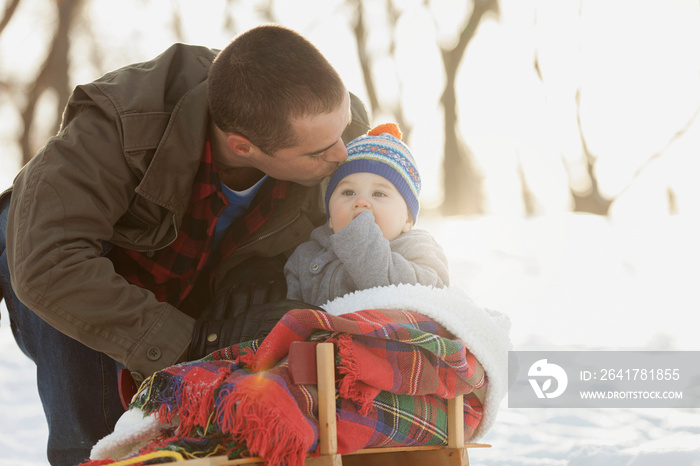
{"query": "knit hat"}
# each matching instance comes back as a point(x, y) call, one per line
point(381, 152)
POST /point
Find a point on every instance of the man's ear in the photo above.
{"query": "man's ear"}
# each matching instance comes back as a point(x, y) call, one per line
point(240, 145)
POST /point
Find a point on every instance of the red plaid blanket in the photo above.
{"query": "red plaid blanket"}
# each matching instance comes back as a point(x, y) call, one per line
point(395, 370)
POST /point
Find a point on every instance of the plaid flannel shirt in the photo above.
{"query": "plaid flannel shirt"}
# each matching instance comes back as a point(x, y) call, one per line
point(171, 273)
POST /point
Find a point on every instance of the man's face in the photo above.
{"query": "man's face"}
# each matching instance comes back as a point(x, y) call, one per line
point(366, 191)
point(319, 150)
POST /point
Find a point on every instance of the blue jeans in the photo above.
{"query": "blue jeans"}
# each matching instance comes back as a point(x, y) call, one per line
point(77, 385)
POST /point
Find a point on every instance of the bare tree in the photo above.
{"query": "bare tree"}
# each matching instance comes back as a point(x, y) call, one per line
point(529, 201)
point(53, 75)
point(590, 200)
point(7, 16)
point(360, 33)
point(463, 190)
point(670, 193)
point(10, 9)
point(395, 108)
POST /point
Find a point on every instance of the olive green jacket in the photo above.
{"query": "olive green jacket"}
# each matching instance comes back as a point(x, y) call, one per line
point(120, 171)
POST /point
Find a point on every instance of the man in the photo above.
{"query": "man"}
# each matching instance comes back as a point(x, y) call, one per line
point(165, 179)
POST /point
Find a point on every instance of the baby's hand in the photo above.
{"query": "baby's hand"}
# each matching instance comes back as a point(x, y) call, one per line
point(365, 214)
point(364, 221)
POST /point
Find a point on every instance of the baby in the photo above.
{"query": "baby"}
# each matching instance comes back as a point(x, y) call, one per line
point(369, 240)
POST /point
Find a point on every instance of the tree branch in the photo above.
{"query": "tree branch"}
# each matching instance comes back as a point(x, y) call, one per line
point(360, 33)
point(10, 9)
point(53, 73)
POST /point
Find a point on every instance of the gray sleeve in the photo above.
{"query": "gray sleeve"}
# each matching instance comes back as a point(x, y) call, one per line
point(371, 260)
point(292, 275)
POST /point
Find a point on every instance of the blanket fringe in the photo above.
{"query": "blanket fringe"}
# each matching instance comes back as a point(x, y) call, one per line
point(197, 402)
point(257, 412)
point(191, 401)
point(247, 358)
point(350, 386)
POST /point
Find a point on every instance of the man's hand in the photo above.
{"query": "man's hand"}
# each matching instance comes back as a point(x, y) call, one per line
point(249, 303)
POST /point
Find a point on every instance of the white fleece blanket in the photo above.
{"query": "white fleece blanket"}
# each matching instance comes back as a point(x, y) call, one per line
point(485, 332)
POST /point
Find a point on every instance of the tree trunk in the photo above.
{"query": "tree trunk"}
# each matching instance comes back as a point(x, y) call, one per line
point(463, 184)
point(52, 76)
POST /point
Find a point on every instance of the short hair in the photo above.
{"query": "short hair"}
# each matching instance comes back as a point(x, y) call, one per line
point(265, 78)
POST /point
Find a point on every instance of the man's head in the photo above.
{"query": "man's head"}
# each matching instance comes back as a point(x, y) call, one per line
point(281, 104)
point(380, 175)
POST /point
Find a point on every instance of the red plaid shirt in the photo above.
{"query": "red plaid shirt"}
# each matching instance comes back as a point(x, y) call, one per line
point(171, 273)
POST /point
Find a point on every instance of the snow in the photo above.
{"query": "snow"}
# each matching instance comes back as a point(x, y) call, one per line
point(568, 282)
point(23, 430)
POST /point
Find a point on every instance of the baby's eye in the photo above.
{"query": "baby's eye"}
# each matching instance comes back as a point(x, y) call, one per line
point(379, 194)
point(348, 192)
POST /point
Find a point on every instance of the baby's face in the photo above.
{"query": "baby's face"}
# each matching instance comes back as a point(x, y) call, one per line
point(366, 191)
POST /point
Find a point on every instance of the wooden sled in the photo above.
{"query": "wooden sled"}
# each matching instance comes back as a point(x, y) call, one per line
point(302, 356)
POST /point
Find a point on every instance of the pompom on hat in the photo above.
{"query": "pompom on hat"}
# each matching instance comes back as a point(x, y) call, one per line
point(381, 152)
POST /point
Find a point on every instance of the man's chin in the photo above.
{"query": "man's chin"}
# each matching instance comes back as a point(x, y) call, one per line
point(310, 183)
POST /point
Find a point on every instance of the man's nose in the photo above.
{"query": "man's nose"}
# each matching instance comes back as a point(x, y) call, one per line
point(337, 153)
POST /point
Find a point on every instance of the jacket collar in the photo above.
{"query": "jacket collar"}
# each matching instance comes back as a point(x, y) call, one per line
point(169, 178)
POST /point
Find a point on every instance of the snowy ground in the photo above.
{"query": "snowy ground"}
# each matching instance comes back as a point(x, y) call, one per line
point(567, 282)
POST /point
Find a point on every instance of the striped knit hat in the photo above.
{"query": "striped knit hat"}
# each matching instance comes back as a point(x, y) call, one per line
point(381, 152)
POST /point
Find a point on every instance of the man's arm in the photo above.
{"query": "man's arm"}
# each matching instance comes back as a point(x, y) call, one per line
point(64, 206)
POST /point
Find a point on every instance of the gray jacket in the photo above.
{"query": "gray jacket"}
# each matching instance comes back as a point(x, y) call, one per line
point(358, 257)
